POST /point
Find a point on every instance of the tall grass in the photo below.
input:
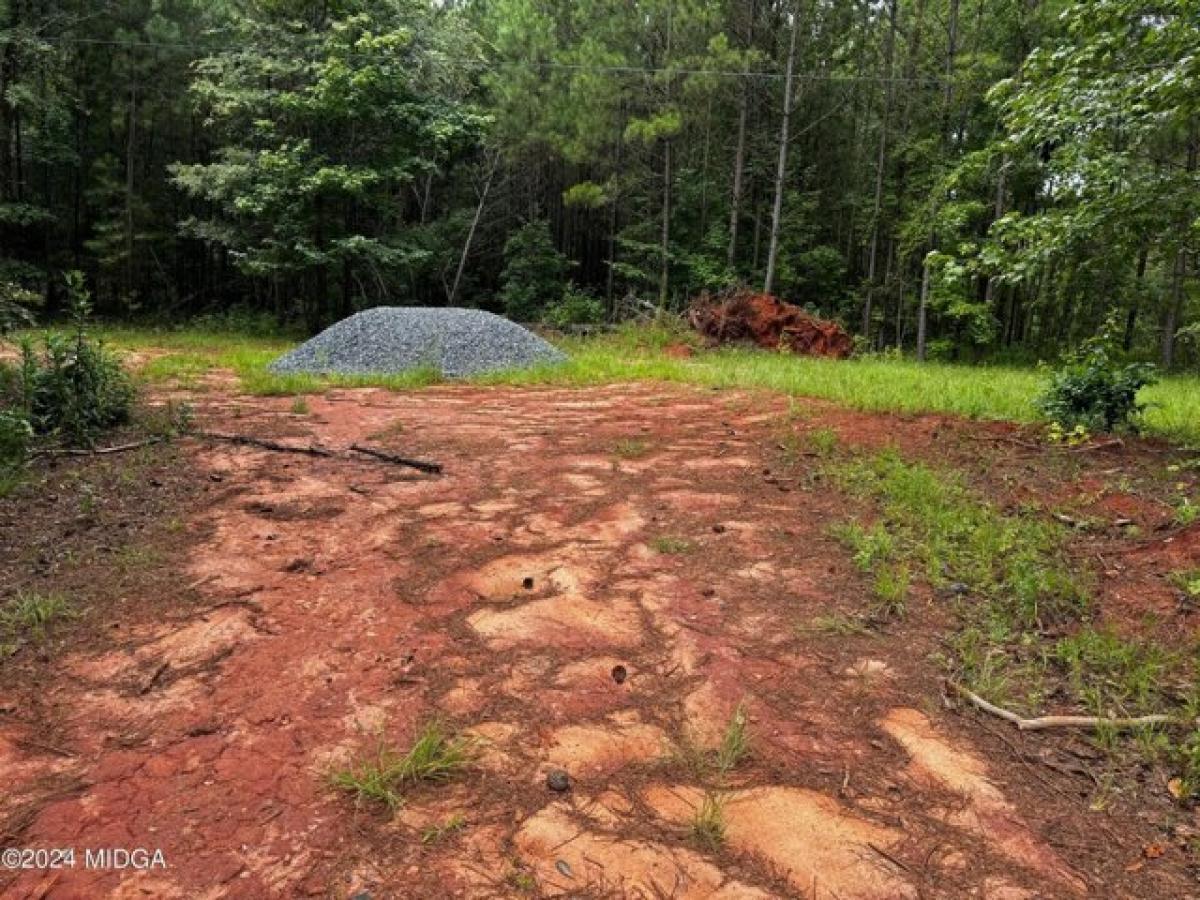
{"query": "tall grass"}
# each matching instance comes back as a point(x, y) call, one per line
point(985, 392)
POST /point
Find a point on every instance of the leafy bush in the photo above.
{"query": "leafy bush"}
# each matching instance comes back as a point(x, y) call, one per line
point(577, 307)
point(75, 387)
point(15, 306)
point(15, 434)
point(533, 274)
point(1095, 389)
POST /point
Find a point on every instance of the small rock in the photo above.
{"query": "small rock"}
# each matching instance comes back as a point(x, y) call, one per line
point(527, 583)
point(619, 674)
point(558, 781)
point(718, 528)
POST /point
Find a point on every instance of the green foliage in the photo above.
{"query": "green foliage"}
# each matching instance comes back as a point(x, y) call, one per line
point(15, 436)
point(434, 756)
point(1111, 672)
point(28, 617)
point(16, 306)
point(322, 127)
point(75, 388)
point(707, 827)
point(1094, 389)
point(576, 307)
point(533, 274)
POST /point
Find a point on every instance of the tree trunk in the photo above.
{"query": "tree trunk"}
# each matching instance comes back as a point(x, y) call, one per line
point(881, 163)
point(664, 272)
point(1179, 271)
point(130, 150)
point(739, 165)
point(466, 250)
point(781, 170)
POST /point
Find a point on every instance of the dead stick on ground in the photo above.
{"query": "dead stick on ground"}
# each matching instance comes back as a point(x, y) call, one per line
point(431, 468)
point(264, 444)
point(99, 451)
point(1043, 723)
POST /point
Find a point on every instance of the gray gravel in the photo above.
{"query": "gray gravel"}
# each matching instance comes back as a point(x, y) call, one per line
point(389, 340)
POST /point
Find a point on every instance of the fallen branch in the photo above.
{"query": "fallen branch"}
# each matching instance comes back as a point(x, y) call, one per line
point(1044, 723)
point(431, 468)
point(264, 444)
point(97, 451)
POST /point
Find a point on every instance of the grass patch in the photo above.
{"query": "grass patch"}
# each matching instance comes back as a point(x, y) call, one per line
point(1188, 582)
point(630, 448)
point(636, 353)
point(1024, 614)
point(824, 441)
point(435, 834)
point(434, 756)
point(1025, 637)
point(707, 828)
point(671, 546)
point(835, 626)
point(28, 617)
point(735, 742)
point(300, 406)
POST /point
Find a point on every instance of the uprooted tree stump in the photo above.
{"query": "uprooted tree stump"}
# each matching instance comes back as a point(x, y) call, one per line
point(743, 316)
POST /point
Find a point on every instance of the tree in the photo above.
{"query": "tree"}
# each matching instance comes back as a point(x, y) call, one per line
point(1106, 124)
point(324, 123)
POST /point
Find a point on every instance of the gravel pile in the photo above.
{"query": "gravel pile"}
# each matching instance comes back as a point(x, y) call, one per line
point(391, 339)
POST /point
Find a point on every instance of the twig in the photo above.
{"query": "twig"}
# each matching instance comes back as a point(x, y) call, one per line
point(98, 451)
point(49, 748)
point(264, 444)
point(1043, 723)
point(430, 467)
point(895, 862)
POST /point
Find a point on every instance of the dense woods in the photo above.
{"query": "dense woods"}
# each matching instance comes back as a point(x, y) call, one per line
point(957, 178)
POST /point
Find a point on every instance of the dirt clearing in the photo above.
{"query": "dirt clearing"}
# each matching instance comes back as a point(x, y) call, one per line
point(603, 582)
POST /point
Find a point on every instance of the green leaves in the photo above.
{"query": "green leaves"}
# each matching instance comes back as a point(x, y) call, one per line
point(322, 128)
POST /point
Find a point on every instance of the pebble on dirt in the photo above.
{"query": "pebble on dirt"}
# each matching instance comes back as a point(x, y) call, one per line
point(390, 340)
point(558, 780)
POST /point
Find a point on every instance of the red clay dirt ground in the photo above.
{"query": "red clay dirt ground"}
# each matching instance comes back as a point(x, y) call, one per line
point(298, 612)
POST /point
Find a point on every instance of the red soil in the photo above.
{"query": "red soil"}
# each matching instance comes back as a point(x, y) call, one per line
point(344, 604)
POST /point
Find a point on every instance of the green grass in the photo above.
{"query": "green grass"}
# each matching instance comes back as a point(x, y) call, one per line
point(671, 546)
point(28, 616)
point(1011, 582)
point(735, 742)
point(1188, 581)
point(630, 448)
point(636, 354)
point(707, 828)
point(435, 834)
point(834, 625)
point(1025, 635)
point(435, 755)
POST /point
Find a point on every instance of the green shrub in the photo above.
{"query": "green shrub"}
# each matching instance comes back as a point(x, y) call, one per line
point(16, 303)
point(15, 434)
point(74, 388)
point(577, 307)
point(1095, 389)
point(533, 274)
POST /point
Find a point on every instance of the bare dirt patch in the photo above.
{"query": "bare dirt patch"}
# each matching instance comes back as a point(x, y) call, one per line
point(568, 604)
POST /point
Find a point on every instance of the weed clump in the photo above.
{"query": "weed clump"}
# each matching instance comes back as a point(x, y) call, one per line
point(434, 756)
point(72, 389)
point(1094, 390)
